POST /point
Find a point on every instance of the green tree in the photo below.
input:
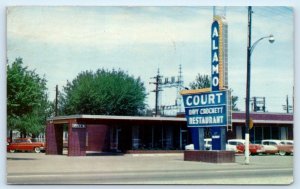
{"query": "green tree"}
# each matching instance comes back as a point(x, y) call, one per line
point(27, 103)
point(202, 81)
point(103, 92)
point(234, 102)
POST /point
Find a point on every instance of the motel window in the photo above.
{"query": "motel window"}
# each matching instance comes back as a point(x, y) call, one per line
point(275, 133)
point(267, 132)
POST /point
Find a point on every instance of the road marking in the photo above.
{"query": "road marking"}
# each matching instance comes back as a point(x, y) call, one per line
point(133, 173)
point(255, 170)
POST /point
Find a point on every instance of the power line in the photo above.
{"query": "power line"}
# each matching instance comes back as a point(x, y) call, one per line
point(168, 82)
point(157, 90)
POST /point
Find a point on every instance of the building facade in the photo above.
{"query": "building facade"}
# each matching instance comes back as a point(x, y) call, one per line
point(96, 133)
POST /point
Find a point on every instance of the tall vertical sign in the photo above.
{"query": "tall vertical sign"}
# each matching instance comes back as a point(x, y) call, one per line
point(217, 77)
point(210, 107)
point(215, 47)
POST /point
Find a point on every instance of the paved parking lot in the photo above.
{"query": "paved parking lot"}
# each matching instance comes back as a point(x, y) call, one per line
point(32, 168)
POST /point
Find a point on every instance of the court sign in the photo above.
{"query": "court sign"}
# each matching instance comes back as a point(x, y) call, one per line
point(207, 109)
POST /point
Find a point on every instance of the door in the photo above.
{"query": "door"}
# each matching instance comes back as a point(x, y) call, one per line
point(115, 138)
point(183, 138)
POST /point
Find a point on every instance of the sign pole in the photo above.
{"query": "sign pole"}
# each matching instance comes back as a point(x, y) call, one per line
point(201, 138)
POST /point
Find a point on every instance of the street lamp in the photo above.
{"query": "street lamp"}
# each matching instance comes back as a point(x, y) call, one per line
point(250, 49)
point(271, 40)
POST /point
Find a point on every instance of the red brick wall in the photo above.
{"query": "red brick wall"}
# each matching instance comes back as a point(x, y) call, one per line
point(98, 138)
point(214, 156)
point(77, 140)
point(54, 139)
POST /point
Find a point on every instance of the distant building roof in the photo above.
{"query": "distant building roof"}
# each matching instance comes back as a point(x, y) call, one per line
point(264, 117)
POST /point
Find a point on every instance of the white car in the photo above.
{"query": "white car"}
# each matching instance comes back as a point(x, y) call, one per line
point(283, 147)
point(232, 143)
point(270, 146)
point(287, 142)
point(189, 147)
point(207, 144)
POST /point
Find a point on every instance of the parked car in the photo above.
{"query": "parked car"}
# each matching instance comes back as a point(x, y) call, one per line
point(207, 144)
point(189, 147)
point(287, 142)
point(272, 146)
point(253, 148)
point(232, 143)
point(25, 144)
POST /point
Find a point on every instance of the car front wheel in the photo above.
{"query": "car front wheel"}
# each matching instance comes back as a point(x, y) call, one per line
point(12, 151)
point(37, 150)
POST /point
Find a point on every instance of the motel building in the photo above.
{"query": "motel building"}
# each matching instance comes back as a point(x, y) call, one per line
point(84, 134)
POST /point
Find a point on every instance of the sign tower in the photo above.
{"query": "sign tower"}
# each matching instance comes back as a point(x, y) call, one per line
point(211, 107)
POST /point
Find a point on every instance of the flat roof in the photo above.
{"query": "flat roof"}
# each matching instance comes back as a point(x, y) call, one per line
point(237, 117)
point(62, 119)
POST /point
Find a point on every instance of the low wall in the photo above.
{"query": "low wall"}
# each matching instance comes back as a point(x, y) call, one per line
point(214, 156)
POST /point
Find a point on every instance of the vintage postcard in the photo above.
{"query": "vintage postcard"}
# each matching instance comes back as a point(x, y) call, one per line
point(150, 95)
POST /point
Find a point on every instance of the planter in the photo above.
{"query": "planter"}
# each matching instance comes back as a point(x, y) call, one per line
point(213, 156)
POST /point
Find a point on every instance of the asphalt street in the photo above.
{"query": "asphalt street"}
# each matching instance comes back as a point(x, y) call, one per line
point(31, 168)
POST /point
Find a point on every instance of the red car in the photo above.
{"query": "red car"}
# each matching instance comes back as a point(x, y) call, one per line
point(253, 148)
point(25, 144)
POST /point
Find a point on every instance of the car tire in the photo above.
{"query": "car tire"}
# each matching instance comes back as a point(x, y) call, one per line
point(12, 151)
point(282, 153)
point(37, 150)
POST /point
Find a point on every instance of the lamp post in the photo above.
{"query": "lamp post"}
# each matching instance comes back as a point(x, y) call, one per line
point(250, 49)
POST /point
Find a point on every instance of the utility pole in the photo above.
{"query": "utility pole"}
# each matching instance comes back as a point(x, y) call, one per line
point(250, 49)
point(56, 100)
point(157, 90)
point(264, 106)
point(287, 104)
point(255, 104)
point(259, 104)
point(171, 82)
point(288, 107)
point(248, 86)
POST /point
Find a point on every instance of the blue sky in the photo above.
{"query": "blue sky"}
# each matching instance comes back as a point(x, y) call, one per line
point(60, 42)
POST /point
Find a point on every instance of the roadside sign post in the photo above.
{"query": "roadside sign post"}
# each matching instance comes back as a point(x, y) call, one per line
point(208, 109)
point(211, 108)
point(218, 133)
